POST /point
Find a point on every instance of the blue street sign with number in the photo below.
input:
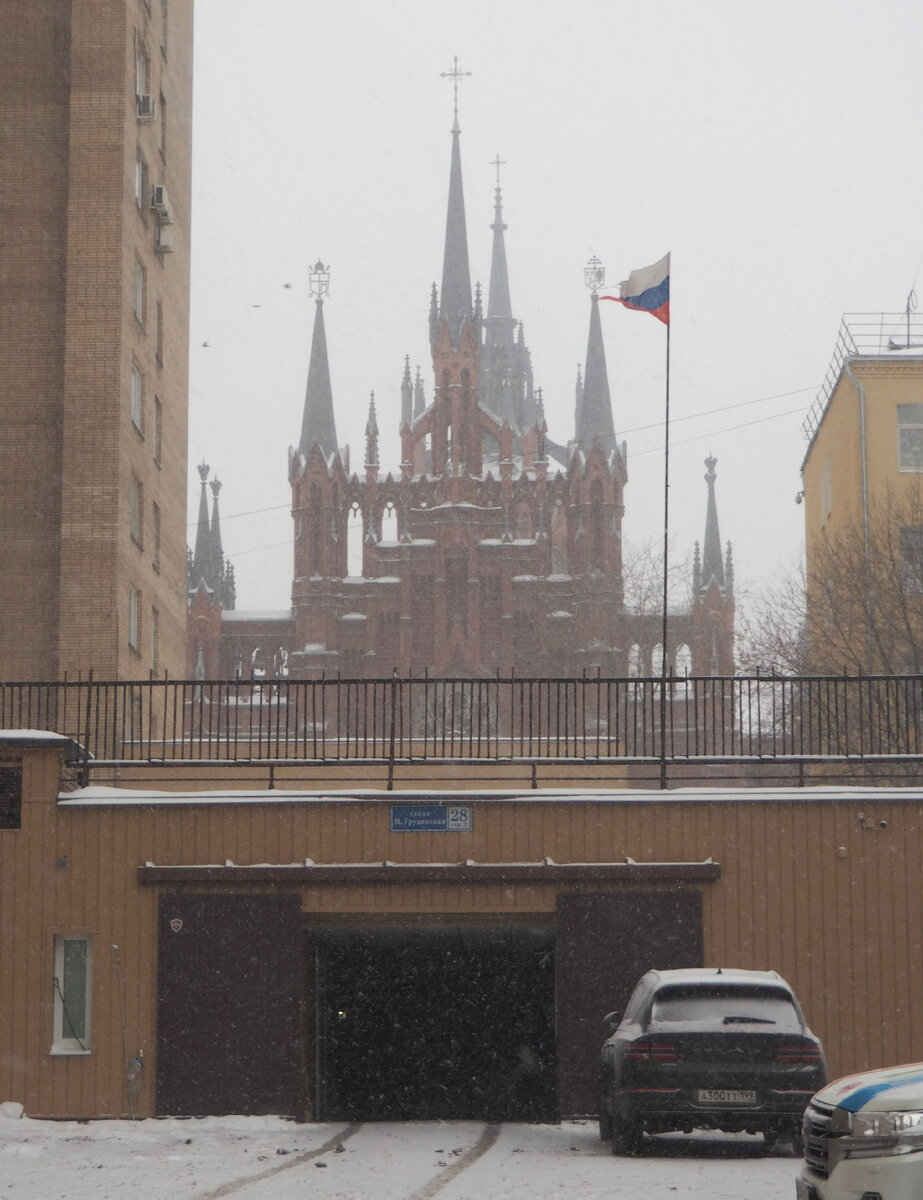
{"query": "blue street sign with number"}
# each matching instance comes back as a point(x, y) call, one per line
point(430, 818)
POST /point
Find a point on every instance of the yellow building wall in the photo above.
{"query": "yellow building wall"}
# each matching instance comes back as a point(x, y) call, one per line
point(832, 472)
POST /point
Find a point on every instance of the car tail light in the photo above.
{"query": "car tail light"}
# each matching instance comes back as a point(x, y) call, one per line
point(651, 1052)
point(803, 1051)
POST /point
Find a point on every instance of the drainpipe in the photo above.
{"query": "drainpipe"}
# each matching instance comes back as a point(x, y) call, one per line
point(866, 553)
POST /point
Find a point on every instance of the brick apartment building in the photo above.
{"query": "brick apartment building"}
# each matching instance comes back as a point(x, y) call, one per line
point(95, 136)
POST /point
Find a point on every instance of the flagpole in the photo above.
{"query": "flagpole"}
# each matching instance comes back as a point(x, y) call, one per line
point(648, 290)
point(666, 554)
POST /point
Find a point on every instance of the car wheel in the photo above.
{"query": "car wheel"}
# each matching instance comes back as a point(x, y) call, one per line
point(771, 1139)
point(626, 1133)
point(605, 1122)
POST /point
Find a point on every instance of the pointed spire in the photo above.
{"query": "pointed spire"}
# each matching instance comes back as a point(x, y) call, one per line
point(371, 435)
point(712, 559)
point(199, 567)
point(406, 394)
point(455, 294)
point(506, 366)
point(594, 407)
point(419, 395)
point(318, 424)
point(433, 317)
point(217, 549)
point(498, 297)
point(696, 568)
point(541, 428)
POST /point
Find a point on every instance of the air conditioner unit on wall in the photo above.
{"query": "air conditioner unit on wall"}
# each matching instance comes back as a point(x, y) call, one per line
point(160, 202)
point(164, 239)
point(147, 108)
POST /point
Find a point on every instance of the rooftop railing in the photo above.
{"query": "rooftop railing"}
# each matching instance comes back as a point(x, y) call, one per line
point(865, 335)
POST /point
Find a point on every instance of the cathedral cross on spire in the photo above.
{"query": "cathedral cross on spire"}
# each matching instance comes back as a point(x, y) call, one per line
point(498, 162)
point(455, 75)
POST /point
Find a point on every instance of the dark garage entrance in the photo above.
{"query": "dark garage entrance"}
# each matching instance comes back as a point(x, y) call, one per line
point(435, 1022)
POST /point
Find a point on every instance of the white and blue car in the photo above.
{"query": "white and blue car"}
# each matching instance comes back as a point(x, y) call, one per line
point(863, 1138)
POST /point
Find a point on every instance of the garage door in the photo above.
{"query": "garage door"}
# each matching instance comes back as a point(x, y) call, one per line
point(435, 1022)
point(229, 1016)
point(605, 944)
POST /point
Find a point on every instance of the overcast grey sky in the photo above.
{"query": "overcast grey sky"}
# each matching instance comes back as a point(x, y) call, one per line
point(774, 149)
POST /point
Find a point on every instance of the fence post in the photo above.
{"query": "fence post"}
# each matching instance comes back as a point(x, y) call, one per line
point(394, 698)
point(85, 768)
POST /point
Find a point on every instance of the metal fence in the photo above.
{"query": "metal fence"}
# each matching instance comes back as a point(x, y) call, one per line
point(403, 720)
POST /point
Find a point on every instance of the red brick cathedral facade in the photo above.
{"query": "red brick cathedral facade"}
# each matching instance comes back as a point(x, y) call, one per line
point(493, 549)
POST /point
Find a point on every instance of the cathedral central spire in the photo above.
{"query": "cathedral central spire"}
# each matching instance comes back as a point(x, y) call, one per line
point(455, 294)
point(317, 423)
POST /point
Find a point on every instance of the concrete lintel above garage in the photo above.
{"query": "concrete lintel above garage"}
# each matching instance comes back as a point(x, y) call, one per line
point(462, 873)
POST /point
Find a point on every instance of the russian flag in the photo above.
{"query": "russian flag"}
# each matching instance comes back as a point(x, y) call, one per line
point(647, 290)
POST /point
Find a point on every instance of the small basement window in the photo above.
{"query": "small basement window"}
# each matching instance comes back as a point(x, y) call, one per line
point(72, 979)
point(10, 796)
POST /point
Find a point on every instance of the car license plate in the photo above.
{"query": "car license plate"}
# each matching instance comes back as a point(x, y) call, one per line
point(804, 1191)
point(726, 1096)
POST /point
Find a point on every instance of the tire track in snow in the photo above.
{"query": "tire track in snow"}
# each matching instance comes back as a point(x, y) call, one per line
point(237, 1185)
point(444, 1178)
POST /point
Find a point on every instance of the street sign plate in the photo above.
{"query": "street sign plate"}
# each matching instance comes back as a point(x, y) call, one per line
point(431, 818)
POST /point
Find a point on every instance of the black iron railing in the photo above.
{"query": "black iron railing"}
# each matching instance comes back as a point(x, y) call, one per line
point(591, 718)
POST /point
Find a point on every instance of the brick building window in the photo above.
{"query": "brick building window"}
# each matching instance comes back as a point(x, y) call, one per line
point(155, 556)
point(134, 617)
point(142, 71)
point(136, 510)
point(162, 126)
point(138, 289)
point(137, 399)
point(142, 183)
point(158, 429)
point(10, 796)
point(72, 990)
point(158, 331)
point(910, 437)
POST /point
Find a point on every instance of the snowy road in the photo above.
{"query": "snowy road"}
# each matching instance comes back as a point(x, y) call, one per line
point(264, 1158)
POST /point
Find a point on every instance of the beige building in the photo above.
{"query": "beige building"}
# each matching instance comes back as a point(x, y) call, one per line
point(861, 492)
point(95, 138)
point(362, 954)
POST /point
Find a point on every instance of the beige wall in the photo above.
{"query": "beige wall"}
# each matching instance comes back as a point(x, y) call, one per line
point(73, 232)
point(804, 889)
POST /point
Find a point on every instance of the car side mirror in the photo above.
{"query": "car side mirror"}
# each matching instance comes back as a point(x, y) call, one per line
point(612, 1020)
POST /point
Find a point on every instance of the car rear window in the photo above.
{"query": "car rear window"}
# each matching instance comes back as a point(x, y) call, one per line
point(753, 1007)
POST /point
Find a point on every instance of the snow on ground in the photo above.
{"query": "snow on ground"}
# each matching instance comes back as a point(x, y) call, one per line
point(265, 1158)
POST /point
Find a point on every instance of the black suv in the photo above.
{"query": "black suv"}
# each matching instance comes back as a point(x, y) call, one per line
point(708, 1048)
